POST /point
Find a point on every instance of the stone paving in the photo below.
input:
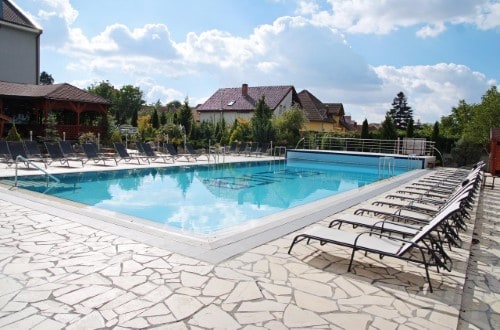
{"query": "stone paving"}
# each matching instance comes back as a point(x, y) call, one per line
point(60, 274)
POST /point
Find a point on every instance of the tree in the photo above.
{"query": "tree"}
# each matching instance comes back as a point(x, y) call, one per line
point(288, 126)
point(134, 121)
point(128, 103)
point(262, 127)
point(186, 117)
point(435, 132)
point(163, 118)
point(241, 131)
point(155, 120)
point(484, 117)
point(365, 132)
point(108, 91)
point(454, 125)
point(13, 135)
point(46, 79)
point(388, 129)
point(400, 112)
point(409, 128)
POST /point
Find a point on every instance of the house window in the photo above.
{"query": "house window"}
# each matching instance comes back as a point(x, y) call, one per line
point(231, 103)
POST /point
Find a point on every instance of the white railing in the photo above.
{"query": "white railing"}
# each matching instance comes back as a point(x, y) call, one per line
point(405, 146)
point(25, 160)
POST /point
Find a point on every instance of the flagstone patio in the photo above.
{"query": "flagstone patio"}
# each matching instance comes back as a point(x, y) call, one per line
point(58, 273)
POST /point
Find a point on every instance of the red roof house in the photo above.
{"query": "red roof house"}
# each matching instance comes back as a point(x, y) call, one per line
point(233, 103)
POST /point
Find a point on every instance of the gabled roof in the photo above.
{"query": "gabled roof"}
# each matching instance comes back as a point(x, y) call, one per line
point(246, 98)
point(13, 14)
point(335, 109)
point(313, 108)
point(61, 92)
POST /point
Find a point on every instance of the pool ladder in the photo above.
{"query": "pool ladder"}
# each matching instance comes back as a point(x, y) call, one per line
point(29, 162)
point(386, 164)
point(413, 162)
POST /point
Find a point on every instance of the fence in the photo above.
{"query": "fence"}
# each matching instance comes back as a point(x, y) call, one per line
point(405, 146)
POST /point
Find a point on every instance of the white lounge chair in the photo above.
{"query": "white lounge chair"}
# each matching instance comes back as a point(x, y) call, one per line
point(385, 245)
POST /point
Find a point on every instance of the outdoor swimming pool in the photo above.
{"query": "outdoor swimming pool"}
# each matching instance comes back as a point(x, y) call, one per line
point(204, 199)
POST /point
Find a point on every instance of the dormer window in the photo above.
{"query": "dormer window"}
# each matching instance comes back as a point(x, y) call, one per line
point(231, 103)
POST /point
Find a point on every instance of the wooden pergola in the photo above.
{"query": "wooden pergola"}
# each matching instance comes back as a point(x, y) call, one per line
point(29, 106)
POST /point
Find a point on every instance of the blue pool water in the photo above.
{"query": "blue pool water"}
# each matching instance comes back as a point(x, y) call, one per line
point(207, 198)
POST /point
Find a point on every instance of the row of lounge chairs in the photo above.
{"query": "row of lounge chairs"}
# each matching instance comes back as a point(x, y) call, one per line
point(63, 153)
point(415, 223)
point(247, 149)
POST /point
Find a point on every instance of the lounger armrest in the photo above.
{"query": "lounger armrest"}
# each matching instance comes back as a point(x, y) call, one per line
point(403, 241)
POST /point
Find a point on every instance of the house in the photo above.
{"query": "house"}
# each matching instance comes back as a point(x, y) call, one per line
point(323, 117)
point(19, 45)
point(28, 106)
point(233, 103)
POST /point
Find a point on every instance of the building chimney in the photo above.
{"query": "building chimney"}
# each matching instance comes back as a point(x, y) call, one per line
point(244, 89)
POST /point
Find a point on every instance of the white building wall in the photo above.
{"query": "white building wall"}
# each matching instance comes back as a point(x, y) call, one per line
point(18, 55)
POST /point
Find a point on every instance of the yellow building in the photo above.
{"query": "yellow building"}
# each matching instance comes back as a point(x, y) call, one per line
point(323, 117)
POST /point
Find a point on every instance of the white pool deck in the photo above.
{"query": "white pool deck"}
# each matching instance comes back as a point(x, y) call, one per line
point(65, 267)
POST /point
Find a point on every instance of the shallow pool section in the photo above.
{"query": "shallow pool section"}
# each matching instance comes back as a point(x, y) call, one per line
point(207, 198)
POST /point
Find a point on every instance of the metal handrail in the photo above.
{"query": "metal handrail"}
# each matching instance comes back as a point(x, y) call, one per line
point(25, 160)
point(404, 146)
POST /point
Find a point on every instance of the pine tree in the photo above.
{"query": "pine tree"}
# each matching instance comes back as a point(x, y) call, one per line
point(185, 117)
point(388, 130)
point(410, 128)
point(365, 133)
point(400, 112)
point(262, 128)
point(135, 117)
point(155, 120)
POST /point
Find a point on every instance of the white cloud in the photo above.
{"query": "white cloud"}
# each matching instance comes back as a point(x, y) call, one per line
point(431, 31)
point(309, 53)
point(432, 91)
point(58, 8)
point(382, 17)
point(306, 7)
point(156, 91)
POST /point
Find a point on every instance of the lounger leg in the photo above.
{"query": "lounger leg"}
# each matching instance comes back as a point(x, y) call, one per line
point(297, 239)
point(352, 258)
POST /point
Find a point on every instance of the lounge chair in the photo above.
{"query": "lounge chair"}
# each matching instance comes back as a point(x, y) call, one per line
point(56, 154)
point(17, 148)
point(448, 233)
point(194, 154)
point(124, 155)
point(242, 148)
point(409, 209)
point(148, 152)
point(253, 149)
point(232, 149)
point(68, 150)
point(385, 245)
point(4, 152)
point(92, 153)
point(175, 155)
point(33, 149)
point(261, 150)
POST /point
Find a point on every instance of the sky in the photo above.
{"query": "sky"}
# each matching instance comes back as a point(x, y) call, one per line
point(360, 53)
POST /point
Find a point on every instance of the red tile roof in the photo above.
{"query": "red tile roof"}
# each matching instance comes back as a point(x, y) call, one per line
point(336, 109)
point(12, 14)
point(61, 92)
point(234, 99)
point(313, 108)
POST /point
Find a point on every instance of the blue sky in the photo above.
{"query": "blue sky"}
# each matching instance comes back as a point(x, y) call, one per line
point(357, 52)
